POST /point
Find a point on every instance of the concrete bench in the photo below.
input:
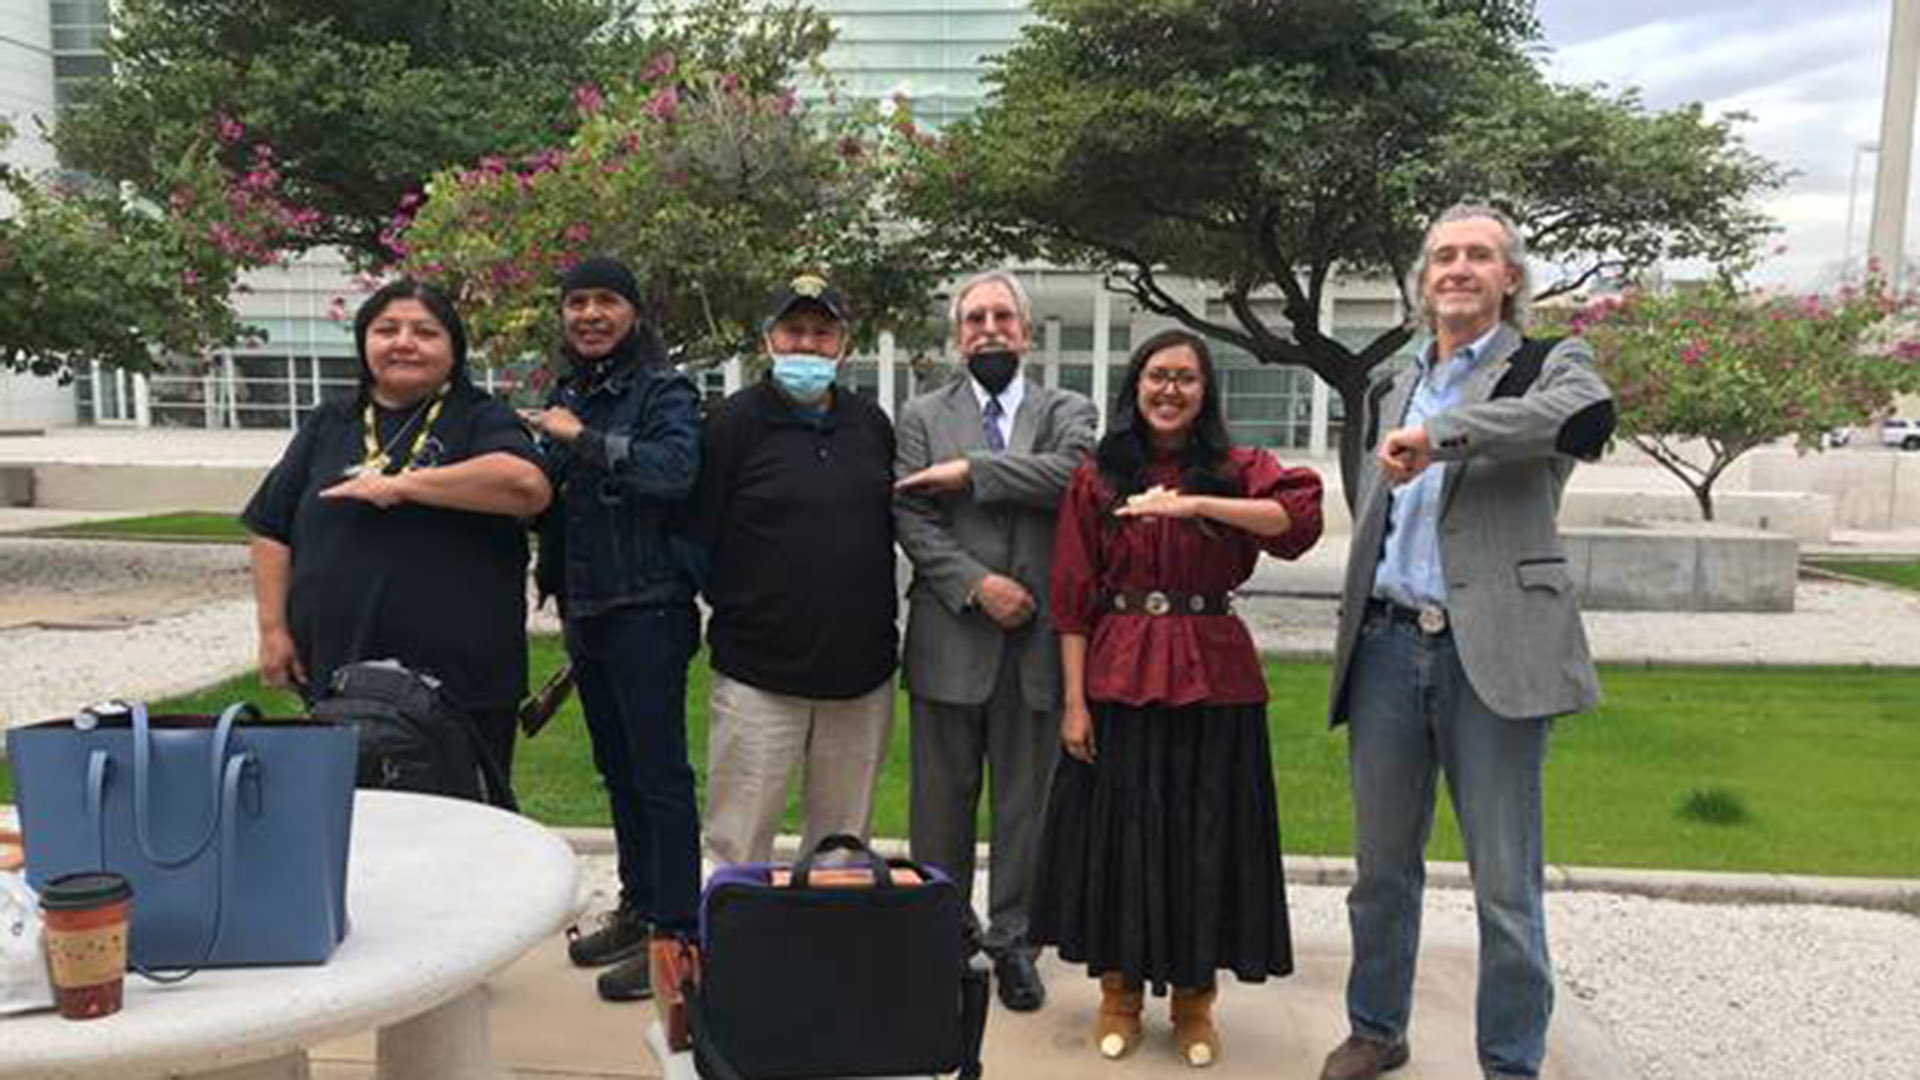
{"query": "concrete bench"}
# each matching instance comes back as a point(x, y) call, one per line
point(1805, 516)
point(1682, 567)
point(16, 485)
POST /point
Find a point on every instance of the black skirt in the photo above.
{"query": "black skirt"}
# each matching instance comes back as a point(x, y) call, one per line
point(1161, 860)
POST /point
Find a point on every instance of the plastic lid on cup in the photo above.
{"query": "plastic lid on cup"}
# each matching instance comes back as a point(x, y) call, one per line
point(84, 891)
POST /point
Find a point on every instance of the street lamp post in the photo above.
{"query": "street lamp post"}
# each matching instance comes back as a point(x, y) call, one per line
point(1887, 234)
point(1853, 201)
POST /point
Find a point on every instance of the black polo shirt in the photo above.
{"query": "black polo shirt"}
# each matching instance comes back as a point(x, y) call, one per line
point(796, 510)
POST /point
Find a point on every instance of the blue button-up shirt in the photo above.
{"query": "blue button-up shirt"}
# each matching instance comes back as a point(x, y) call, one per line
point(1410, 573)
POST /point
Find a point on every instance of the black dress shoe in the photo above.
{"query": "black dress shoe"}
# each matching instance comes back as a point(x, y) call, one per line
point(631, 980)
point(1020, 987)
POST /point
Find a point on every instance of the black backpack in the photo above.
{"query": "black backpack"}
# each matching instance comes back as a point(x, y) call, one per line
point(411, 737)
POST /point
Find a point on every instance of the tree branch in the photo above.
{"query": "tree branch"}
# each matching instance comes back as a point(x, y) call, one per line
point(1567, 285)
point(1140, 283)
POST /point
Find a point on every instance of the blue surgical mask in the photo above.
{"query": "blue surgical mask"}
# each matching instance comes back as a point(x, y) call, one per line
point(804, 376)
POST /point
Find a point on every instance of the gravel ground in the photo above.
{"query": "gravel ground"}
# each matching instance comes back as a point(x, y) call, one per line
point(1686, 991)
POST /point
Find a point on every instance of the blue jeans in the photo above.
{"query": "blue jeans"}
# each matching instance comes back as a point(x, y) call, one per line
point(630, 665)
point(1413, 714)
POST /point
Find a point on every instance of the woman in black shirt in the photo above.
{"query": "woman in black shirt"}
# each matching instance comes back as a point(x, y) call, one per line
point(391, 525)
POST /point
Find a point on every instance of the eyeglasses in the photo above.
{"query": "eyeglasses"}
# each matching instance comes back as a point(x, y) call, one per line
point(1161, 378)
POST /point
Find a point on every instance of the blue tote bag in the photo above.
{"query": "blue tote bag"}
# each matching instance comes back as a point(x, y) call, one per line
point(234, 832)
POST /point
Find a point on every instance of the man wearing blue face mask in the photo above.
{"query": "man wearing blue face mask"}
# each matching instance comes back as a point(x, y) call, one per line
point(794, 504)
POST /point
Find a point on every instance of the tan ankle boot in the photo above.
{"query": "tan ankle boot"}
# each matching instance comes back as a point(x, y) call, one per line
point(1193, 1031)
point(1116, 1027)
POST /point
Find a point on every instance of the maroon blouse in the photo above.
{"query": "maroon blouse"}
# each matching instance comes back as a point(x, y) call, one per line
point(1175, 659)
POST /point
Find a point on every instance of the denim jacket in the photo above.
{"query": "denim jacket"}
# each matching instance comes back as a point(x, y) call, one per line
point(607, 541)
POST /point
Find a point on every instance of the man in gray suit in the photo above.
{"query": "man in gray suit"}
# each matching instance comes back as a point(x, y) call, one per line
point(982, 465)
point(1460, 639)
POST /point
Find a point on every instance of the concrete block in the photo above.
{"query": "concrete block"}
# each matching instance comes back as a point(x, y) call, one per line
point(1682, 568)
point(1805, 516)
point(16, 485)
point(1872, 487)
point(1745, 573)
point(214, 488)
point(1628, 569)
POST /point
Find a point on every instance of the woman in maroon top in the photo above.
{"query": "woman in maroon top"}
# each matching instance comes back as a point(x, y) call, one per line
point(1160, 860)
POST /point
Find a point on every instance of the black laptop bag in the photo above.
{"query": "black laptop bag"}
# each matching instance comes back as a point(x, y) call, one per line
point(878, 976)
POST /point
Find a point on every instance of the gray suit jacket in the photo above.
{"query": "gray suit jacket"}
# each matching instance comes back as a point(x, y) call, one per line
point(1003, 524)
point(1509, 596)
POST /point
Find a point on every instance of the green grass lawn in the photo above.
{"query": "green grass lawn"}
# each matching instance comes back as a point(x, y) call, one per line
point(1807, 770)
point(1902, 572)
point(191, 525)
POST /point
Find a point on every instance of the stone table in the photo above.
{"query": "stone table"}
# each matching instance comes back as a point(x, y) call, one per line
point(441, 895)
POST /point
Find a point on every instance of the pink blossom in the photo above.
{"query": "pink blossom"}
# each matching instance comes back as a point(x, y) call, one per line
point(1694, 353)
point(659, 67)
point(227, 129)
point(662, 105)
point(588, 99)
point(189, 278)
point(410, 200)
point(577, 233)
point(730, 83)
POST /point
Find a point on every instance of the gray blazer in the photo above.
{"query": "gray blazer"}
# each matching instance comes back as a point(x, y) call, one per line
point(1509, 596)
point(1004, 525)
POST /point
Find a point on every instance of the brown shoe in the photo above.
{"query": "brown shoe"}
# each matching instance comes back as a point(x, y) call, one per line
point(1193, 1032)
point(1116, 1027)
point(1363, 1059)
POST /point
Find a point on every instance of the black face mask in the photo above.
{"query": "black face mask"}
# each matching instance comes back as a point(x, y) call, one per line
point(994, 368)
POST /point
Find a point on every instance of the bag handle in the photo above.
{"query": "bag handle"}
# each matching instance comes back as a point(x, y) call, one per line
point(243, 768)
point(143, 784)
point(882, 878)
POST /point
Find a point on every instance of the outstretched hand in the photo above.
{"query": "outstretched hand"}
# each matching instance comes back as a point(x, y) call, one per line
point(950, 475)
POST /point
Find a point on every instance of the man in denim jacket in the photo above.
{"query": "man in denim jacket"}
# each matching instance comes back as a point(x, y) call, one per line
point(621, 439)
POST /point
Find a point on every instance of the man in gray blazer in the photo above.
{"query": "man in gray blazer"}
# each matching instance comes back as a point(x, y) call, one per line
point(1460, 639)
point(982, 465)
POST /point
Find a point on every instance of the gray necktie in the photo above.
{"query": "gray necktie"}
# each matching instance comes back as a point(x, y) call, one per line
point(990, 424)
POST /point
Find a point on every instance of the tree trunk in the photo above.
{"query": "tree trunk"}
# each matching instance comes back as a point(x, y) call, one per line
point(1703, 494)
point(1353, 445)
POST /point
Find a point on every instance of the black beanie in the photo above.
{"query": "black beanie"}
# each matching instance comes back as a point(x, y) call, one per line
point(602, 272)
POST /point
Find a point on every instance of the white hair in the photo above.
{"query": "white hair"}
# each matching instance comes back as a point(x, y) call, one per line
point(1004, 278)
point(1514, 306)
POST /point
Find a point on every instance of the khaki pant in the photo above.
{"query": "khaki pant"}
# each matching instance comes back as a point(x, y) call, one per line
point(754, 740)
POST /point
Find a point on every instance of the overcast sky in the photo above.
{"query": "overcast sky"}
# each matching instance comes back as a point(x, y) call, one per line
point(1810, 74)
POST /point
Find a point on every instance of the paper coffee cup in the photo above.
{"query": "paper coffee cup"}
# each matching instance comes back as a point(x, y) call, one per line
point(86, 916)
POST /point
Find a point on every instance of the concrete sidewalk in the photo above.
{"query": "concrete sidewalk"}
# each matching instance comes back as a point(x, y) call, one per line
point(548, 1024)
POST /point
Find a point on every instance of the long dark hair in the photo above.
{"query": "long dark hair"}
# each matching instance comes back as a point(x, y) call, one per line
point(435, 301)
point(1126, 452)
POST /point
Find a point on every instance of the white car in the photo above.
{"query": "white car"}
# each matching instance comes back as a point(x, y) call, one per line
point(1901, 432)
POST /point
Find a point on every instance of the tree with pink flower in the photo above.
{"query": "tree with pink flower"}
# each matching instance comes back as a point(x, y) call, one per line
point(87, 277)
point(1703, 375)
point(710, 184)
